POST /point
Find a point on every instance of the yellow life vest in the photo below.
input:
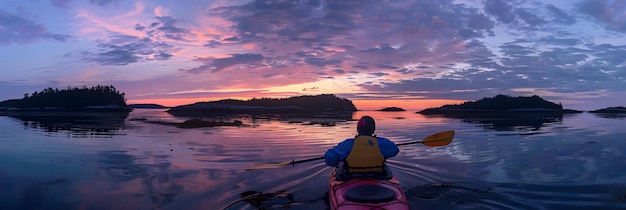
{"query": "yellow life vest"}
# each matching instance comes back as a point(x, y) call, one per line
point(365, 156)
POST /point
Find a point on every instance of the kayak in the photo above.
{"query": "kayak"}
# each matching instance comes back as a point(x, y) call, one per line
point(366, 193)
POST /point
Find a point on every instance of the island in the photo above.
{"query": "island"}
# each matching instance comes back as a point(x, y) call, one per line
point(324, 103)
point(147, 106)
point(391, 109)
point(501, 104)
point(95, 98)
point(611, 110)
point(505, 113)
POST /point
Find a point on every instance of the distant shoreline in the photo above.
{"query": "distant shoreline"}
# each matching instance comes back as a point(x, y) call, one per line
point(95, 98)
point(299, 104)
point(501, 104)
point(108, 99)
point(61, 109)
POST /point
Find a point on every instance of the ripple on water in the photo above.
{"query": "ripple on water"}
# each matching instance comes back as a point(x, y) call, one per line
point(576, 163)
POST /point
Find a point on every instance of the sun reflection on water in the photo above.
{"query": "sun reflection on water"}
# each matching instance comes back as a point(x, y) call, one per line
point(146, 165)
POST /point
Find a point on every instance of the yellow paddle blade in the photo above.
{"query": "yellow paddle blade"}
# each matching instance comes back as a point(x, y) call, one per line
point(269, 166)
point(439, 139)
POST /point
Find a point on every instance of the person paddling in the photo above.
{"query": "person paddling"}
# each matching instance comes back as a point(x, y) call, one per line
point(364, 154)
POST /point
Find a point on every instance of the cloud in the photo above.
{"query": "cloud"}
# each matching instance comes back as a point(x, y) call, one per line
point(218, 64)
point(442, 45)
point(16, 29)
point(139, 27)
point(161, 11)
point(530, 18)
point(382, 49)
point(104, 2)
point(154, 41)
point(386, 66)
point(328, 30)
point(610, 57)
point(321, 62)
point(522, 17)
point(610, 13)
point(422, 48)
point(312, 89)
point(117, 55)
point(552, 40)
point(170, 30)
point(125, 50)
point(379, 74)
point(476, 24)
point(560, 16)
point(566, 67)
point(501, 10)
point(165, 27)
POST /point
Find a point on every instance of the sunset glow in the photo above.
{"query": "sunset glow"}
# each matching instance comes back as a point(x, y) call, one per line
point(410, 54)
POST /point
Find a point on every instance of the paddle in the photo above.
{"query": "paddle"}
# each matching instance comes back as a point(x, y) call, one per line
point(435, 140)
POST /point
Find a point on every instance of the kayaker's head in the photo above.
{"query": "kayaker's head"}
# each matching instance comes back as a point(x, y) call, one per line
point(366, 126)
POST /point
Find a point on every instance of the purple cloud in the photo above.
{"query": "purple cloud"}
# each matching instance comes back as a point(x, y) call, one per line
point(124, 50)
point(611, 13)
point(103, 2)
point(218, 64)
point(16, 29)
point(500, 9)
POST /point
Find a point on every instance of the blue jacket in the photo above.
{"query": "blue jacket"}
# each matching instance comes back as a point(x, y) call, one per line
point(342, 150)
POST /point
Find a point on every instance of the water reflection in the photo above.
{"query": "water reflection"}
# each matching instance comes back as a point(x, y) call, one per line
point(509, 121)
point(611, 115)
point(149, 179)
point(75, 124)
point(573, 162)
point(121, 167)
point(460, 196)
point(23, 193)
point(320, 118)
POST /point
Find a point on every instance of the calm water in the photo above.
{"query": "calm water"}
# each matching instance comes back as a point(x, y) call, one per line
point(90, 161)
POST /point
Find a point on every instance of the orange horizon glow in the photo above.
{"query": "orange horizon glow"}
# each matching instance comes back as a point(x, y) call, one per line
point(171, 102)
point(411, 105)
point(363, 105)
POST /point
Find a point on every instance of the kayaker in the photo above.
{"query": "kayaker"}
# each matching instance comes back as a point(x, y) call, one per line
point(369, 154)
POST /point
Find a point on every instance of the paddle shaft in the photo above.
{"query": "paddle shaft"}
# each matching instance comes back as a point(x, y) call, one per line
point(307, 160)
point(407, 143)
point(435, 140)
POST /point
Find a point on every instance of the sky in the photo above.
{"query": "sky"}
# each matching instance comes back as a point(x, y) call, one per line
point(411, 54)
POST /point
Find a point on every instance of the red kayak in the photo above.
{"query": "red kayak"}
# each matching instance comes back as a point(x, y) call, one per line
point(366, 193)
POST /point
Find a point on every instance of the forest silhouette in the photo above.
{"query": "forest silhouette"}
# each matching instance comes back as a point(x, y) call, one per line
point(306, 103)
point(501, 103)
point(71, 98)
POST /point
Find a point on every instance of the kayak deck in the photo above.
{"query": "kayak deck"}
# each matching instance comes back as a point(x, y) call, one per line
point(355, 193)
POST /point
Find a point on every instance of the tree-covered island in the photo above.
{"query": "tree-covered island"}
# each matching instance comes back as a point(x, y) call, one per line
point(95, 98)
point(297, 104)
point(501, 104)
point(611, 110)
point(147, 106)
point(391, 109)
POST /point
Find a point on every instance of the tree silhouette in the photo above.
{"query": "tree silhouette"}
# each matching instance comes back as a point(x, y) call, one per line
point(307, 103)
point(70, 98)
point(499, 103)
